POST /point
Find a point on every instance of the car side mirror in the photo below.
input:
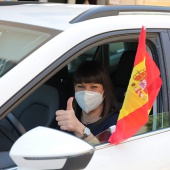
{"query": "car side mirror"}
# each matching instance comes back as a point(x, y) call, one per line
point(46, 148)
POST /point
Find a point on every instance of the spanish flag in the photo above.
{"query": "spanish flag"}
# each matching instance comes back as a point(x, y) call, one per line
point(143, 88)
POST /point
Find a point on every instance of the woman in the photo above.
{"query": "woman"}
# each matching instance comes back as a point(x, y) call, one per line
point(94, 109)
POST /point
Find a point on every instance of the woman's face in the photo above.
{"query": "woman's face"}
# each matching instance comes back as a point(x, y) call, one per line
point(89, 87)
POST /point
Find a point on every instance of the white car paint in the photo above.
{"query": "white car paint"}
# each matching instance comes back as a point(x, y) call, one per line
point(49, 15)
point(133, 154)
point(51, 143)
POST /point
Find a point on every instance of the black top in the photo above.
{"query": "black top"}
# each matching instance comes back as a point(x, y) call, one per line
point(103, 124)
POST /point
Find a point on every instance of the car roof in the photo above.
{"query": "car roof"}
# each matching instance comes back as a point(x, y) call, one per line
point(61, 16)
point(51, 15)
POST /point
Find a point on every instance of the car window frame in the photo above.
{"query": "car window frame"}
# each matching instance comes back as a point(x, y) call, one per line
point(153, 35)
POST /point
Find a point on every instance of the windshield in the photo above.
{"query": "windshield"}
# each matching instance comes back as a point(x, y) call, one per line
point(17, 41)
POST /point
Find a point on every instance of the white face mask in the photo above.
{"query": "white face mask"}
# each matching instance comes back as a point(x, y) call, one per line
point(88, 100)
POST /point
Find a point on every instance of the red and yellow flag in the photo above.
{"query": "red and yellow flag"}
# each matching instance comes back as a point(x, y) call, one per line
point(143, 88)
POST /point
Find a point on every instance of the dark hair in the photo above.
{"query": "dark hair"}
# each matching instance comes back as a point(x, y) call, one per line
point(94, 72)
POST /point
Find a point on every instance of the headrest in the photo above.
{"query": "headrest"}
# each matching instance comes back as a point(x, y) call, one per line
point(124, 69)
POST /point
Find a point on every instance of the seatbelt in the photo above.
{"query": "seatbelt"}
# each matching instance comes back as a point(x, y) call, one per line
point(16, 123)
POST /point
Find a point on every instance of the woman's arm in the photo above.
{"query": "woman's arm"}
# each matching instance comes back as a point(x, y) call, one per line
point(67, 120)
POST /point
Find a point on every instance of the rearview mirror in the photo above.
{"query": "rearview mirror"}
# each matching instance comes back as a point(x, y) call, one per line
point(46, 148)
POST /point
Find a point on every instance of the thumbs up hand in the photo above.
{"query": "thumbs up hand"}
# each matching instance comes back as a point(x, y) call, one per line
point(70, 103)
point(67, 119)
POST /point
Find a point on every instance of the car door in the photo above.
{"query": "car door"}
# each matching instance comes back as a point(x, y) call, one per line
point(154, 142)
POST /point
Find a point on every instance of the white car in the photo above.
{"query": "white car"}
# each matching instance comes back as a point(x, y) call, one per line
point(41, 45)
